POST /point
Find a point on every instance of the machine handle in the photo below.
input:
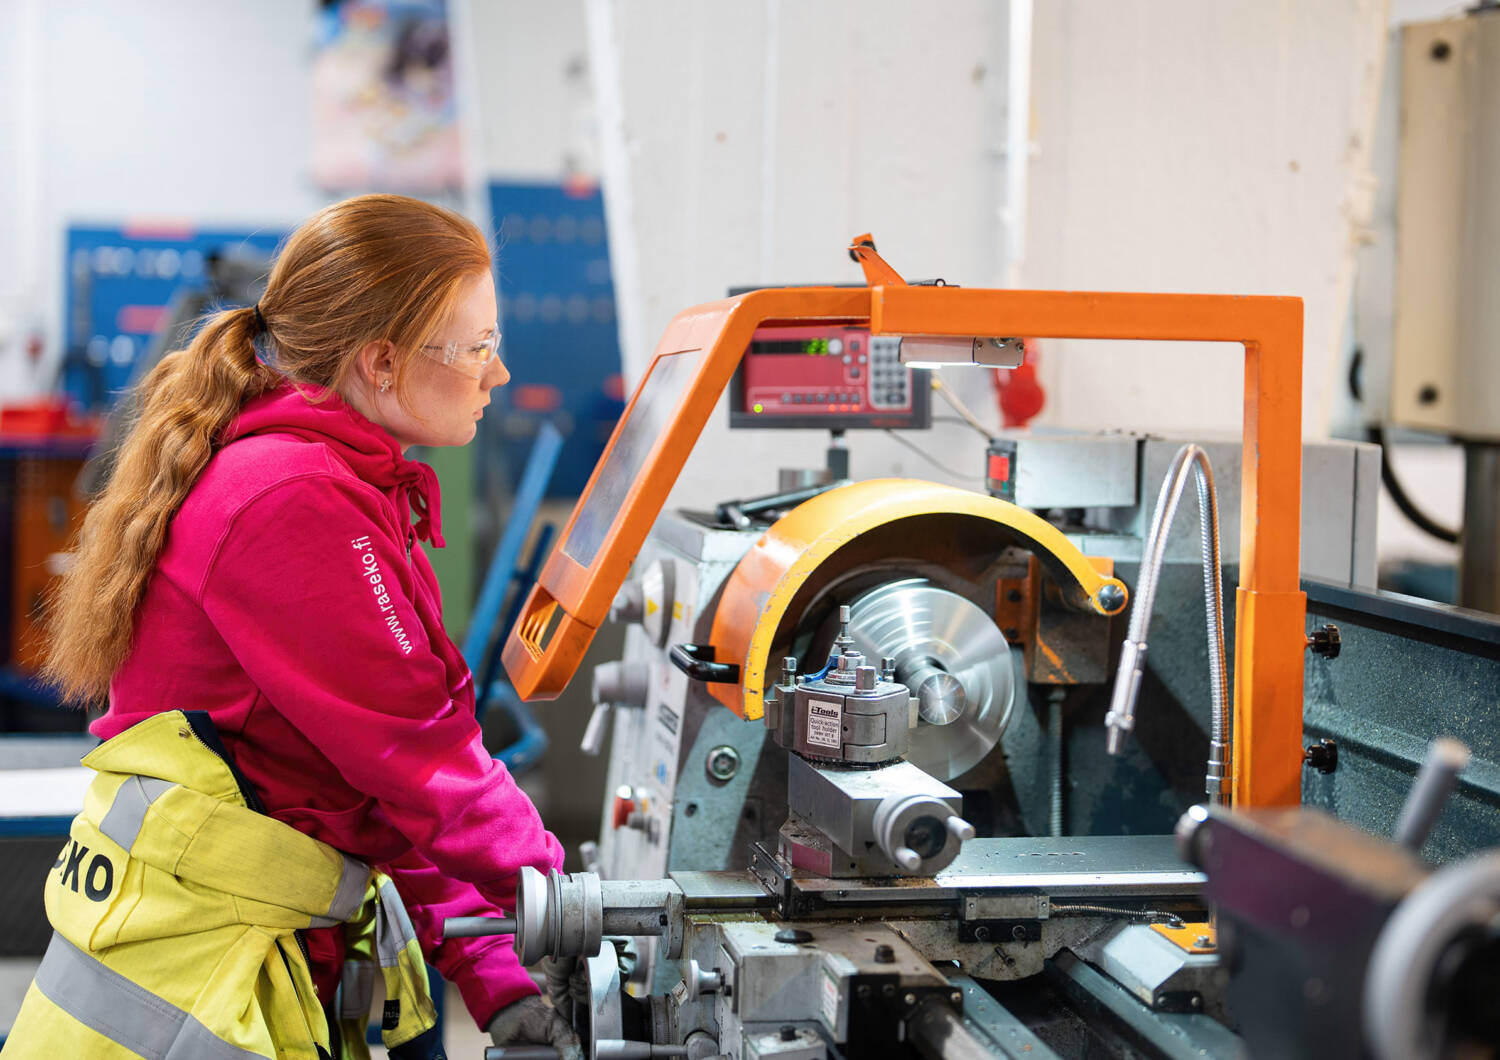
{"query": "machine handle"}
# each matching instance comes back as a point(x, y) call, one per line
point(1446, 759)
point(771, 502)
point(697, 661)
point(473, 927)
point(592, 741)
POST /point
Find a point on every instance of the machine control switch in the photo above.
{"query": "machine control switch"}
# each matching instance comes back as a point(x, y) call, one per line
point(627, 810)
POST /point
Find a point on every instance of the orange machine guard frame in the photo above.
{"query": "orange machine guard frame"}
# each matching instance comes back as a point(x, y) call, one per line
point(571, 598)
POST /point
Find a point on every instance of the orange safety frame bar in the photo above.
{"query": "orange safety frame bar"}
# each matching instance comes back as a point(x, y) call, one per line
point(570, 600)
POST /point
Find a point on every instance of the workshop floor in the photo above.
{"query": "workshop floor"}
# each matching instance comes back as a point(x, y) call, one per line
point(463, 1040)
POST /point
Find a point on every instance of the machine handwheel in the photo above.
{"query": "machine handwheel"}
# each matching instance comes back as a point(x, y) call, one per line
point(1422, 974)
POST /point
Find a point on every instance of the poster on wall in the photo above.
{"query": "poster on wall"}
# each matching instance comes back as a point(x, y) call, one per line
point(384, 114)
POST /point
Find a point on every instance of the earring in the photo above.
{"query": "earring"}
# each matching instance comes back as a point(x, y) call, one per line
point(385, 384)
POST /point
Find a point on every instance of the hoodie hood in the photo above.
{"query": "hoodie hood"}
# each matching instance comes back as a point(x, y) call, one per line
point(317, 415)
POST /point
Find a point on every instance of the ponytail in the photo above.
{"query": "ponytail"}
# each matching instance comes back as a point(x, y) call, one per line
point(186, 402)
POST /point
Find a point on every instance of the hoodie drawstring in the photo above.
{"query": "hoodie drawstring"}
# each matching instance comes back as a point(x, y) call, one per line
point(419, 487)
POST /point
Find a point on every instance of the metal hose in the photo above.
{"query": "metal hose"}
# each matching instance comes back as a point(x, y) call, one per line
point(1121, 716)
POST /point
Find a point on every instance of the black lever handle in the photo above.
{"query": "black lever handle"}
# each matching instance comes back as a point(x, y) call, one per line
point(697, 661)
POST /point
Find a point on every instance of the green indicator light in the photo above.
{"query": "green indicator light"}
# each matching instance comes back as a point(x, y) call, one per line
point(759, 407)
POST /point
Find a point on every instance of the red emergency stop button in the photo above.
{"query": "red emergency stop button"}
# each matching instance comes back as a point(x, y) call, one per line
point(624, 805)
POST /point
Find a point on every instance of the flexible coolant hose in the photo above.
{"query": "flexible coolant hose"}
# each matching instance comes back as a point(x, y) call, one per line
point(1121, 716)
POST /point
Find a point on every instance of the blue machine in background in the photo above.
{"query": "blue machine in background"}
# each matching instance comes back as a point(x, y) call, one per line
point(119, 288)
point(557, 305)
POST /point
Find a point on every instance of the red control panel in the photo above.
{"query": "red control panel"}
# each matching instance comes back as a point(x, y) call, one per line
point(827, 377)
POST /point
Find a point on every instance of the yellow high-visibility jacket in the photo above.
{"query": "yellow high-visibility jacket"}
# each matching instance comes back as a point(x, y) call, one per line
point(175, 908)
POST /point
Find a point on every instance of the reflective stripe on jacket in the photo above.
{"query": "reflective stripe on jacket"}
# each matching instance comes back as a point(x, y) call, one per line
point(176, 906)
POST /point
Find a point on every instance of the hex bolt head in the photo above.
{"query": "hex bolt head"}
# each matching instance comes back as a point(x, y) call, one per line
point(1203, 942)
point(909, 1000)
point(884, 954)
point(957, 997)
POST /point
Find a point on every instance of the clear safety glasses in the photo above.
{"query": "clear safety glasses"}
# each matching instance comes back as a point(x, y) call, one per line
point(470, 358)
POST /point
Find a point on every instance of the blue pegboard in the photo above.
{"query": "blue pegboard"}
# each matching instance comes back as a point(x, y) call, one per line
point(558, 320)
point(118, 283)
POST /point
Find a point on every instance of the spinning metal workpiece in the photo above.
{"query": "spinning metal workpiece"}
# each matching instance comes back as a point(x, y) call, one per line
point(955, 661)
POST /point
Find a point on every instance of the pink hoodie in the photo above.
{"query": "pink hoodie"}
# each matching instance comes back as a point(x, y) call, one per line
point(293, 602)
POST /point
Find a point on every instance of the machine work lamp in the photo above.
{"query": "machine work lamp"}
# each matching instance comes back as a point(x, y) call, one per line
point(936, 351)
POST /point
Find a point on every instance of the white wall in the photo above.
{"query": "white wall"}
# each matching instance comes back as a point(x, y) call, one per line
point(181, 109)
point(1179, 146)
point(199, 110)
point(533, 103)
point(20, 314)
point(1201, 147)
point(746, 143)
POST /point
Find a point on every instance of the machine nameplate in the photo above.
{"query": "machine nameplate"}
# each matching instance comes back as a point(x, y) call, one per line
point(825, 723)
point(1007, 907)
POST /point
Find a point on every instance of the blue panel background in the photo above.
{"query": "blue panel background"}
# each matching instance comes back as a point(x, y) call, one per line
point(108, 269)
point(557, 305)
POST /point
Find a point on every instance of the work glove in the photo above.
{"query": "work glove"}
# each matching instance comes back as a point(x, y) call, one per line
point(531, 1021)
point(565, 986)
